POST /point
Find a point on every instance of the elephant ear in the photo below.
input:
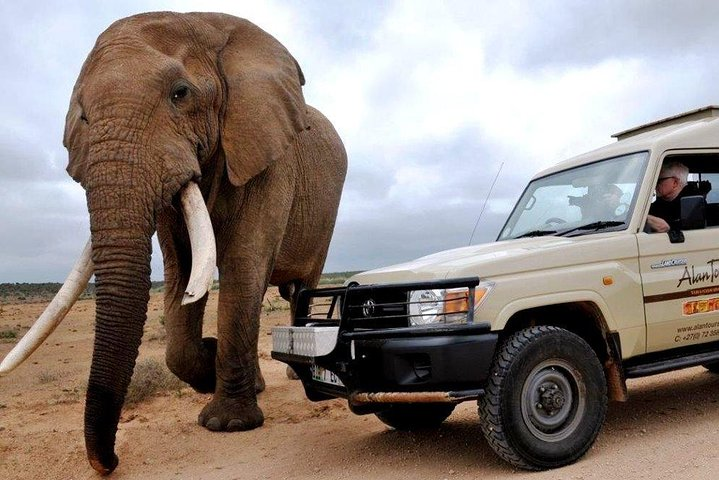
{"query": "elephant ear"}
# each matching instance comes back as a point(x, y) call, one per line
point(265, 108)
point(75, 141)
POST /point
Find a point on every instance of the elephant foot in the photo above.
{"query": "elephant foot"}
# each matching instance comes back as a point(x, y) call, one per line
point(198, 370)
point(291, 374)
point(206, 381)
point(229, 415)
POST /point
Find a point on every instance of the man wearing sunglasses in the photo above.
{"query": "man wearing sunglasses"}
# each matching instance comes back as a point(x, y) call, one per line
point(665, 210)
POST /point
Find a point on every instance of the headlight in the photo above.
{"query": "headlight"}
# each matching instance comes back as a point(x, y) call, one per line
point(444, 306)
point(425, 306)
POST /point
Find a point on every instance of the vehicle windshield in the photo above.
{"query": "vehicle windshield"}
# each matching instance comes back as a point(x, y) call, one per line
point(587, 199)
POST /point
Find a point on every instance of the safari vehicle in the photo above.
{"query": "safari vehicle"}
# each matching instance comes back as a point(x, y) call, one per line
point(544, 325)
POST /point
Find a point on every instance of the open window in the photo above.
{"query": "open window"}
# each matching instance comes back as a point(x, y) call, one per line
point(700, 198)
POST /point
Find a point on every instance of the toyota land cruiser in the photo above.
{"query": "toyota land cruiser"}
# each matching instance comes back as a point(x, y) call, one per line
point(544, 325)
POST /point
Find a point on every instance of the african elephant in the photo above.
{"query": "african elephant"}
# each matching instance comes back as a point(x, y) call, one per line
point(166, 103)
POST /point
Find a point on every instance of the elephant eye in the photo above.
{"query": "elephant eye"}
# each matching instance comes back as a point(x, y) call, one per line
point(179, 93)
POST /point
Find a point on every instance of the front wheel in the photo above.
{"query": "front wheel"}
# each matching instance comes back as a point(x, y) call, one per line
point(546, 399)
point(713, 367)
point(415, 416)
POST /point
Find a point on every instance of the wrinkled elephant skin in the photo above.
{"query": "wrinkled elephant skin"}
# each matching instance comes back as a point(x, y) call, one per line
point(165, 99)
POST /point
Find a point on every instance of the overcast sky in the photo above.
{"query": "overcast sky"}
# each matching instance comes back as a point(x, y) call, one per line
point(430, 98)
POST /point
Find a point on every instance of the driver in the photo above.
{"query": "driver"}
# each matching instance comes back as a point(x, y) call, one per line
point(601, 202)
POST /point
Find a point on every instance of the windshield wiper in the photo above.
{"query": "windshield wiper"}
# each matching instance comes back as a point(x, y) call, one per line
point(536, 233)
point(593, 226)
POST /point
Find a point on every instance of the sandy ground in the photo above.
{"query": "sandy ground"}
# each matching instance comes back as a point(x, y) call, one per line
point(669, 429)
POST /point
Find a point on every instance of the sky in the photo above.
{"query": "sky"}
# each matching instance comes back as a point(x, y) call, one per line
point(433, 100)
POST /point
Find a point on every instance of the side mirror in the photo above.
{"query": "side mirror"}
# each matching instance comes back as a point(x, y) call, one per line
point(693, 214)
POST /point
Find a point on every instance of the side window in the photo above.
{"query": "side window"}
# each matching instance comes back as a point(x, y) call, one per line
point(712, 198)
point(713, 179)
point(703, 180)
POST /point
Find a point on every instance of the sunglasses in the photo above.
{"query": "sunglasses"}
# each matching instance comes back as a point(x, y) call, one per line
point(661, 179)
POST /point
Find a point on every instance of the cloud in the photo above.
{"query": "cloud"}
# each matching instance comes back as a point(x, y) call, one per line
point(431, 99)
point(581, 33)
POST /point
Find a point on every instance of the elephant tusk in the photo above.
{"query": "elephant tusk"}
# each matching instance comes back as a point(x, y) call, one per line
point(54, 313)
point(202, 241)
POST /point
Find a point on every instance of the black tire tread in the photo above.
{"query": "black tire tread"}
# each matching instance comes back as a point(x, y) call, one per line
point(489, 405)
point(713, 367)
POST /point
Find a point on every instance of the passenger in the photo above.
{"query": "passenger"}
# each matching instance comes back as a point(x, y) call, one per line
point(665, 211)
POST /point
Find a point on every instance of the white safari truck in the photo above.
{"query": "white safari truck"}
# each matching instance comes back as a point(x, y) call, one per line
point(544, 325)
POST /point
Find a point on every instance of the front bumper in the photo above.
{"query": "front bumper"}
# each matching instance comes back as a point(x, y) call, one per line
point(371, 367)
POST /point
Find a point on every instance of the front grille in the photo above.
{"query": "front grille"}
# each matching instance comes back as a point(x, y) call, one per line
point(376, 307)
point(360, 307)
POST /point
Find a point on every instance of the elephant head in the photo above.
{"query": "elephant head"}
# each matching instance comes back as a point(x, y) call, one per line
point(164, 102)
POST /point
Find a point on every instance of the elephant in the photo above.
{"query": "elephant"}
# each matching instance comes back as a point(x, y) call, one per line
point(193, 126)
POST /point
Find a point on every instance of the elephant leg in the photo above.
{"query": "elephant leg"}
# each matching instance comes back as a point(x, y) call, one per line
point(187, 355)
point(290, 292)
point(234, 404)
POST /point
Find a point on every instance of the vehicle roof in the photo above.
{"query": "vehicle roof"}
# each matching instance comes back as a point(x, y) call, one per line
point(694, 129)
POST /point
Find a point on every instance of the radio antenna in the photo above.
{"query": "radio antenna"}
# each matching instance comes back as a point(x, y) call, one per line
point(485, 203)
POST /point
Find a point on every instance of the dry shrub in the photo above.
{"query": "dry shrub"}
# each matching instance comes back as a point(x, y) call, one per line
point(274, 305)
point(274, 302)
point(150, 377)
point(156, 332)
point(46, 377)
point(8, 334)
point(68, 396)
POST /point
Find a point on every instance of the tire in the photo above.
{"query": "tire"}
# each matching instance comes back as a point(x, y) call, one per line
point(546, 399)
point(415, 416)
point(713, 367)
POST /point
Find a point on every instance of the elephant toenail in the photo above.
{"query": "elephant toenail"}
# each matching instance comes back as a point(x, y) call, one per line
point(214, 424)
point(235, 425)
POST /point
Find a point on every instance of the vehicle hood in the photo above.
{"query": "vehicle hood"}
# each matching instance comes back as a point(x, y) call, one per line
point(497, 258)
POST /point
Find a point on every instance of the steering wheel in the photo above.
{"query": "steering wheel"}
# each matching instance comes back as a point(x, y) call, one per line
point(621, 209)
point(556, 220)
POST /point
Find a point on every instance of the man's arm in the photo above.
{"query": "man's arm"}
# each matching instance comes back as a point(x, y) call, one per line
point(657, 224)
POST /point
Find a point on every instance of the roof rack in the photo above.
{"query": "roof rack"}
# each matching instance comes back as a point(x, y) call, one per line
point(692, 115)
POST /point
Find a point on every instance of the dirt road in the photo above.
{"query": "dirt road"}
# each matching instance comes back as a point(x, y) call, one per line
point(669, 429)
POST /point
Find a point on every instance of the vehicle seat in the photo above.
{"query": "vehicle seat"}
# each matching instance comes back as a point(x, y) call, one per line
point(703, 187)
point(697, 187)
point(711, 212)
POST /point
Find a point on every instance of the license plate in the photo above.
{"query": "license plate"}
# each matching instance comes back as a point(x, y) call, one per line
point(320, 374)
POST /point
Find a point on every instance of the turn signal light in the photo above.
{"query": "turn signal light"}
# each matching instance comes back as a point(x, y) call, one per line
point(456, 302)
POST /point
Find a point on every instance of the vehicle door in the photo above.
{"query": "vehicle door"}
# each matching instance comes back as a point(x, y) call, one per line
point(681, 280)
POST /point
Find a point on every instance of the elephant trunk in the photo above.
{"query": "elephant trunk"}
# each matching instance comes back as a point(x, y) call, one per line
point(122, 297)
point(121, 239)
